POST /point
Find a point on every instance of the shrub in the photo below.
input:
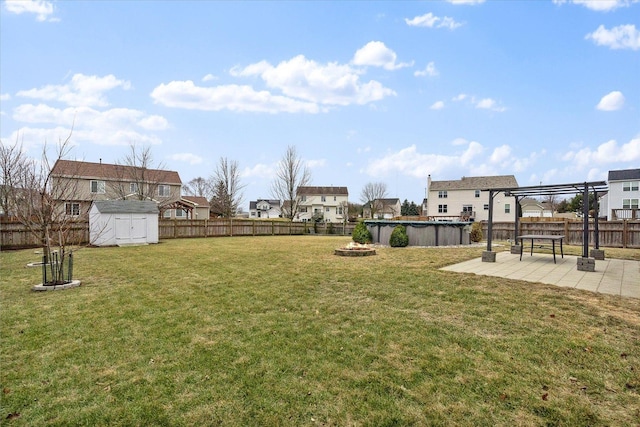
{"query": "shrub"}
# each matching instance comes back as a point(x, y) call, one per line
point(361, 234)
point(399, 238)
point(476, 232)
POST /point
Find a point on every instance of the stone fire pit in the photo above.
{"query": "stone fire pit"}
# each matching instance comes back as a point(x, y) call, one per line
point(355, 249)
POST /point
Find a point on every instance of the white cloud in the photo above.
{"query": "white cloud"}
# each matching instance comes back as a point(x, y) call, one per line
point(489, 104)
point(5, 97)
point(209, 77)
point(438, 105)
point(460, 97)
point(500, 154)
point(42, 9)
point(611, 102)
point(430, 71)
point(185, 94)
point(377, 54)
point(301, 79)
point(620, 37)
point(608, 152)
point(259, 171)
point(430, 20)
point(410, 162)
point(599, 5)
point(315, 164)
point(82, 90)
point(190, 158)
point(116, 126)
point(153, 123)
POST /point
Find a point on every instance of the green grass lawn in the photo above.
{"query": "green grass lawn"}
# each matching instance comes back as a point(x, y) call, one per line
point(279, 331)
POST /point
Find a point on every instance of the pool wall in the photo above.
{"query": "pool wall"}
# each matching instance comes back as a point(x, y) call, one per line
point(422, 233)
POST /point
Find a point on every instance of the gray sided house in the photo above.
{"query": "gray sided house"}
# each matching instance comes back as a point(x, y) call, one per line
point(623, 199)
point(123, 222)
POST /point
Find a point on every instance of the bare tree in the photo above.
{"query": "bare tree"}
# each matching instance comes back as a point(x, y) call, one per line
point(227, 188)
point(291, 174)
point(12, 161)
point(371, 194)
point(200, 187)
point(138, 175)
point(37, 199)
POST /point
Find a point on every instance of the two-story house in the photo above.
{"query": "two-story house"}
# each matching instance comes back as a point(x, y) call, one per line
point(327, 204)
point(265, 208)
point(76, 184)
point(382, 209)
point(464, 199)
point(623, 199)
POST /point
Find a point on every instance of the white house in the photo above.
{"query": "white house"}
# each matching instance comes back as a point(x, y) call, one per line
point(123, 222)
point(327, 204)
point(383, 209)
point(464, 199)
point(623, 199)
point(264, 208)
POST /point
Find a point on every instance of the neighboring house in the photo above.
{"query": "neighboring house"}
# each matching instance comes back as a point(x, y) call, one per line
point(383, 209)
point(623, 199)
point(77, 184)
point(265, 208)
point(199, 208)
point(327, 204)
point(464, 199)
point(533, 208)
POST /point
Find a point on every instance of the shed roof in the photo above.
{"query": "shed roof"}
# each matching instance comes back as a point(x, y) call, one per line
point(125, 206)
point(475, 183)
point(197, 200)
point(624, 174)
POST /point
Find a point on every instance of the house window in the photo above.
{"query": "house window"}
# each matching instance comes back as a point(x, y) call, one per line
point(327, 209)
point(477, 193)
point(339, 210)
point(133, 187)
point(303, 209)
point(630, 186)
point(97, 187)
point(467, 208)
point(72, 209)
point(303, 198)
point(486, 206)
point(442, 194)
point(335, 198)
point(323, 198)
point(167, 214)
point(442, 208)
point(507, 208)
point(180, 213)
point(164, 190)
point(630, 203)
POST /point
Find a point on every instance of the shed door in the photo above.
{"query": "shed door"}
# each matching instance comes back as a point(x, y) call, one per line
point(131, 229)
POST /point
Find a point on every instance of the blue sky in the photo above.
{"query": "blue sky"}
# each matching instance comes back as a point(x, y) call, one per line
point(548, 91)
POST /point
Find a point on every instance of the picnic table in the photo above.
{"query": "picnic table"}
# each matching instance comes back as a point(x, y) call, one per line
point(552, 237)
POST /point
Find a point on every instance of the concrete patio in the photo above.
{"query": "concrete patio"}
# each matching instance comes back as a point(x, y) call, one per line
point(611, 276)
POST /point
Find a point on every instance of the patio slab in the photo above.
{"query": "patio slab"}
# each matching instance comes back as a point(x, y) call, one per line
point(611, 276)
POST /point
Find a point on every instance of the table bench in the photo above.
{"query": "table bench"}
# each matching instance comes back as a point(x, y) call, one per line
point(552, 237)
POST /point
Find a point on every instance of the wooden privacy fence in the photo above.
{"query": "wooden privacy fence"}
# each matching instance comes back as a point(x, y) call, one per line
point(13, 235)
point(613, 234)
point(616, 234)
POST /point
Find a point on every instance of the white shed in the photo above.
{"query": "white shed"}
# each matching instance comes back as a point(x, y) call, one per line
point(123, 222)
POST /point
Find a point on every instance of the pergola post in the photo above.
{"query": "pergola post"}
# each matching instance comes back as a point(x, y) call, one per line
point(489, 255)
point(585, 263)
point(515, 247)
point(596, 253)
